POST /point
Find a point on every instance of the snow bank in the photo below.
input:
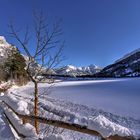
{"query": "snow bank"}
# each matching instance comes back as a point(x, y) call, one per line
point(58, 110)
point(5, 131)
point(21, 107)
point(26, 129)
point(107, 128)
point(99, 123)
point(102, 125)
point(18, 106)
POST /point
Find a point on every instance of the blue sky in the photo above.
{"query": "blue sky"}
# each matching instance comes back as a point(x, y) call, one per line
point(96, 31)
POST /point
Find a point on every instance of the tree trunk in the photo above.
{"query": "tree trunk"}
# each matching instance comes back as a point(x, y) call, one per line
point(36, 106)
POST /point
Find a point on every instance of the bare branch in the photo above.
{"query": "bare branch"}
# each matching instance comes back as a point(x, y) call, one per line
point(43, 58)
point(14, 34)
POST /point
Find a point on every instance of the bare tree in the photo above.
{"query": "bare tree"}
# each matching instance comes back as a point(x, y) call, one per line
point(47, 50)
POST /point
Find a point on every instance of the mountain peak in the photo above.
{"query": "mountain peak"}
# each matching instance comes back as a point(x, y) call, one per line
point(3, 41)
point(71, 66)
point(4, 46)
point(2, 38)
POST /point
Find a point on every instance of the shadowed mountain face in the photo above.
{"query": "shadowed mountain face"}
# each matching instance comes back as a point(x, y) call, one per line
point(128, 66)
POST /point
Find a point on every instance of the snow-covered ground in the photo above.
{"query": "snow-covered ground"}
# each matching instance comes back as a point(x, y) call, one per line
point(114, 102)
point(5, 130)
point(120, 96)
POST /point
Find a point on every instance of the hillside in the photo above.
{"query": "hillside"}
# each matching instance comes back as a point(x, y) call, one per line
point(12, 63)
point(127, 66)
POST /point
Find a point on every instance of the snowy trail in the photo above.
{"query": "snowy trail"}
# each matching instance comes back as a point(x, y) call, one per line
point(5, 130)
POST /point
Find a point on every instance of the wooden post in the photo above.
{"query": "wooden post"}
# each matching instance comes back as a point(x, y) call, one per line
point(36, 124)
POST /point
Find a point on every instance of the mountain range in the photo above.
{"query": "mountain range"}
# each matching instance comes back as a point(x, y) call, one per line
point(129, 65)
point(76, 71)
point(66, 70)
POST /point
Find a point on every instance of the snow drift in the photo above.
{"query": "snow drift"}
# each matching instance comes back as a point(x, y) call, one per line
point(18, 105)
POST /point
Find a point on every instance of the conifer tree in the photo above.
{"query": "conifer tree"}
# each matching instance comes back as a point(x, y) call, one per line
point(15, 66)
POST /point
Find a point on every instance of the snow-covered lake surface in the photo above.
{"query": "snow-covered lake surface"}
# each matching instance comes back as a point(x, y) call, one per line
point(114, 100)
point(119, 96)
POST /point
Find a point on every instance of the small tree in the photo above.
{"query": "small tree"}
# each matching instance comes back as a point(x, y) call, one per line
point(47, 50)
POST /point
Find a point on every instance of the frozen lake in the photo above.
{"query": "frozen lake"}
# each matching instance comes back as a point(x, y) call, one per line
point(118, 96)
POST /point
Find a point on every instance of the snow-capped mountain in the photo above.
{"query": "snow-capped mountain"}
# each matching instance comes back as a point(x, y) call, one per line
point(129, 65)
point(72, 70)
point(4, 49)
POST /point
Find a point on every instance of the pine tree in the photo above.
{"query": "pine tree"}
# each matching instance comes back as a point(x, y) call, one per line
point(15, 66)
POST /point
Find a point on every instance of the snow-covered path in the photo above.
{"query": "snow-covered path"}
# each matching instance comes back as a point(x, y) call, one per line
point(5, 130)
